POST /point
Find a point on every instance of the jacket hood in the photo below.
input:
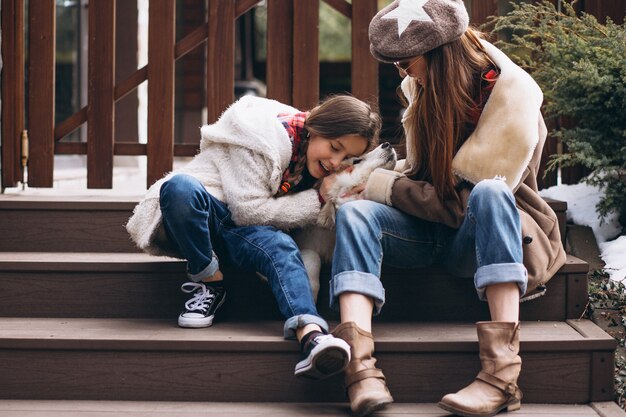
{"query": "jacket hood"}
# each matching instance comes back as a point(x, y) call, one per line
point(250, 122)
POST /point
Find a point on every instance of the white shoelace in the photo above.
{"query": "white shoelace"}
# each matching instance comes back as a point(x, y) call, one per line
point(201, 299)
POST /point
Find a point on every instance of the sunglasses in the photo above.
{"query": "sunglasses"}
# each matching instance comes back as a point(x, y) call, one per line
point(404, 66)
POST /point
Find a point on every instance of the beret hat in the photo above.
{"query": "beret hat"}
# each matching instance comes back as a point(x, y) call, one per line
point(408, 28)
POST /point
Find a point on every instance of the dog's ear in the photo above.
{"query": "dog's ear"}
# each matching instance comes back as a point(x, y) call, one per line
point(332, 217)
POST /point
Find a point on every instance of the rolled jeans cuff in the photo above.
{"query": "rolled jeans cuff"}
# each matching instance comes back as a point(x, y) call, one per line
point(207, 272)
point(499, 274)
point(292, 323)
point(360, 282)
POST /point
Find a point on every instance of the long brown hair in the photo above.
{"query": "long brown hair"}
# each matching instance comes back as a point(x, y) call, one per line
point(438, 125)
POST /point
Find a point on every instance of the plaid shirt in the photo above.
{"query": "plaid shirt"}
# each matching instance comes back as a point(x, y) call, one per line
point(294, 125)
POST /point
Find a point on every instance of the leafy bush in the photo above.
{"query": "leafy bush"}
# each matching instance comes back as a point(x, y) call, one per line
point(580, 65)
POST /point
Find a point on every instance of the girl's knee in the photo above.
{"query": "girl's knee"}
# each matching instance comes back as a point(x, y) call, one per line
point(180, 184)
point(182, 193)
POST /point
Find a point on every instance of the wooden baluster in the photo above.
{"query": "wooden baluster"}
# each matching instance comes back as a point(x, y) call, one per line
point(161, 44)
point(41, 92)
point(101, 101)
point(306, 64)
point(481, 10)
point(12, 90)
point(126, 118)
point(280, 50)
point(364, 67)
point(603, 8)
point(220, 58)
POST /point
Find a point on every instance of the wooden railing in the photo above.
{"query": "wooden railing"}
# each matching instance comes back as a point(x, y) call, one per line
point(292, 56)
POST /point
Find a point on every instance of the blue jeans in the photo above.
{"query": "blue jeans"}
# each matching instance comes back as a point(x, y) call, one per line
point(200, 225)
point(487, 246)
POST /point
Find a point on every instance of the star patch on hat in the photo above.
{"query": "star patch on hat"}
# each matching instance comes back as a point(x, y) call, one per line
point(408, 11)
point(409, 28)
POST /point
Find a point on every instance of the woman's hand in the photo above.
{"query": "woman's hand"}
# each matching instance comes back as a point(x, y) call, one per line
point(355, 193)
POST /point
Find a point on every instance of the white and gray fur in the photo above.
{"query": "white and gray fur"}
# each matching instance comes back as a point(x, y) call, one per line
point(317, 243)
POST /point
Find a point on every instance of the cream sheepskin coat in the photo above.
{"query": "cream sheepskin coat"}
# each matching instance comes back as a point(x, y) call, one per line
point(241, 162)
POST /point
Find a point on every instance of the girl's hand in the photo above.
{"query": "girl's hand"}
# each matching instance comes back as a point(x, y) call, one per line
point(327, 182)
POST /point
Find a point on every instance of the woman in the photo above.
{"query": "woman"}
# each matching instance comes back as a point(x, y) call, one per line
point(465, 198)
point(254, 178)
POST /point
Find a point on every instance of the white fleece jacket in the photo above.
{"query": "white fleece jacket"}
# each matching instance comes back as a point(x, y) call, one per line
point(241, 161)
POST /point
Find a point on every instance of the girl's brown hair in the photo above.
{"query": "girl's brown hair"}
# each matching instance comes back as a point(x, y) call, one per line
point(441, 118)
point(334, 117)
point(343, 115)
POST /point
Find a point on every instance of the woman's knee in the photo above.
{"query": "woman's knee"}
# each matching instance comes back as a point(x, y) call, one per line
point(491, 193)
point(355, 212)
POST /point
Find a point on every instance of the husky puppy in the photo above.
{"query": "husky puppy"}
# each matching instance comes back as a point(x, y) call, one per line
point(317, 243)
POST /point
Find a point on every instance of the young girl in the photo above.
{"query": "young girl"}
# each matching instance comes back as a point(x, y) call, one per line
point(466, 198)
point(252, 179)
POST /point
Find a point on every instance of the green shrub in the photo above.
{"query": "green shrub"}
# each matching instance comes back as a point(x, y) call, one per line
point(580, 65)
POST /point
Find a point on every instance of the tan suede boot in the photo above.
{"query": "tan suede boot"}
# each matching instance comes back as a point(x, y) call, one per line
point(495, 386)
point(365, 384)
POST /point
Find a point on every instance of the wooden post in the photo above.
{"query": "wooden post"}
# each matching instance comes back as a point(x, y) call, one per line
point(161, 44)
point(101, 100)
point(481, 10)
point(280, 50)
point(42, 49)
point(220, 58)
point(602, 8)
point(126, 15)
point(364, 67)
point(12, 90)
point(306, 65)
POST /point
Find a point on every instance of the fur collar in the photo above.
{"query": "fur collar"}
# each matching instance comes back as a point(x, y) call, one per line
point(507, 133)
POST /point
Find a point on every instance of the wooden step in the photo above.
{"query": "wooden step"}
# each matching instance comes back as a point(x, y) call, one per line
point(154, 360)
point(60, 224)
point(135, 285)
point(17, 408)
point(85, 224)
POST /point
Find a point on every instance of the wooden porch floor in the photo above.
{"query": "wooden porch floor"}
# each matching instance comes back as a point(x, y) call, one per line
point(10, 408)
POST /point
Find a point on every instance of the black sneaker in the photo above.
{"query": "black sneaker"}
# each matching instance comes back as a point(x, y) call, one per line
point(200, 309)
point(322, 356)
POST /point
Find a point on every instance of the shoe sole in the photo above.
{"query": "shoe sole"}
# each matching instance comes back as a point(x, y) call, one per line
point(463, 413)
point(371, 407)
point(199, 323)
point(324, 361)
point(190, 323)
